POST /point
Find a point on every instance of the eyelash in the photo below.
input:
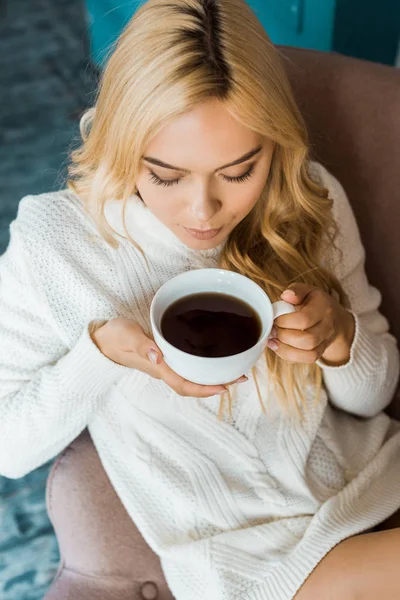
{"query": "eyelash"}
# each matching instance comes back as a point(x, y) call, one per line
point(168, 182)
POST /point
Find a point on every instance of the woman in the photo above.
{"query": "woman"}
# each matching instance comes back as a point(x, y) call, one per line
point(194, 156)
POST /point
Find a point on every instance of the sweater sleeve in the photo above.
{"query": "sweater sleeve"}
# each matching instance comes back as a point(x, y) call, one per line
point(366, 384)
point(48, 392)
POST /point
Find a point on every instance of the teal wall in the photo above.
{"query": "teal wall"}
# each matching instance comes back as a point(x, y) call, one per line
point(361, 28)
point(106, 19)
point(304, 23)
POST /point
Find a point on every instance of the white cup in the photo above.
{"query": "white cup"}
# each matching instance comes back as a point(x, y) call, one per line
point(221, 370)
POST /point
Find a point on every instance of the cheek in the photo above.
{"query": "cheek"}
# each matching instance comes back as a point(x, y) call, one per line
point(162, 202)
point(151, 194)
point(242, 201)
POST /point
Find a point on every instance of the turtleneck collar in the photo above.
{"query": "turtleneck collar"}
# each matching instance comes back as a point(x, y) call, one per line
point(149, 232)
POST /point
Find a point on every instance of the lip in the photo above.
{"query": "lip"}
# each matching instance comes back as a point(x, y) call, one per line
point(201, 234)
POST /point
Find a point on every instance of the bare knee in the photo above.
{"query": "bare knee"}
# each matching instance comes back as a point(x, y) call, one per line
point(325, 583)
point(363, 567)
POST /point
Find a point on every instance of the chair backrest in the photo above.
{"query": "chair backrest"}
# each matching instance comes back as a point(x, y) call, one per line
point(352, 109)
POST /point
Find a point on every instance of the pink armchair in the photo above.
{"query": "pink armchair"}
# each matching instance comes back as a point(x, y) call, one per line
point(353, 112)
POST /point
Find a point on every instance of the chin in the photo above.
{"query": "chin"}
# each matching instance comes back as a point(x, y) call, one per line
point(202, 245)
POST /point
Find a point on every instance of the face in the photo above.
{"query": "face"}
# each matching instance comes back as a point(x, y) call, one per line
point(188, 178)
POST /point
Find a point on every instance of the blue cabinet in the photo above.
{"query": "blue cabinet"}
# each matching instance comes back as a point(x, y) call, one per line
point(368, 29)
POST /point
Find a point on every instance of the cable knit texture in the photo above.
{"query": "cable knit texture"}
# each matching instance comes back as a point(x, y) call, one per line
point(242, 509)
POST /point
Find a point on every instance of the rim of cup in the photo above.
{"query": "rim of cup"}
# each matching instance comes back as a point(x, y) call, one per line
point(184, 275)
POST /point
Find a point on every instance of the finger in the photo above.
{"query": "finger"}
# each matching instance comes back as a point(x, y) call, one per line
point(306, 340)
point(304, 318)
point(241, 379)
point(183, 387)
point(296, 293)
point(292, 354)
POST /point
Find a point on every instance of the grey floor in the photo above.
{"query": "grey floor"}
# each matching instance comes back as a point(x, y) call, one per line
point(46, 82)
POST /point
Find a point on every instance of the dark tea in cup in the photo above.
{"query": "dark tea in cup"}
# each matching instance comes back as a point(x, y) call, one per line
point(211, 324)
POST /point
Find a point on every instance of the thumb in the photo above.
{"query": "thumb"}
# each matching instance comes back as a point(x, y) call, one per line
point(296, 293)
point(148, 349)
point(154, 356)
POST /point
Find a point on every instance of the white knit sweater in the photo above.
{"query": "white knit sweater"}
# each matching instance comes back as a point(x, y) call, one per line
point(240, 510)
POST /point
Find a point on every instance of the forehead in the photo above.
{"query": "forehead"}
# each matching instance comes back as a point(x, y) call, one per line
point(206, 136)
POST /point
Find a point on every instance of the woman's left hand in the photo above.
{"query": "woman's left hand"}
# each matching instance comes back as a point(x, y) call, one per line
point(321, 328)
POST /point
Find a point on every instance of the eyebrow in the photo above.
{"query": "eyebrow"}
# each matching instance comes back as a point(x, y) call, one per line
point(160, 163)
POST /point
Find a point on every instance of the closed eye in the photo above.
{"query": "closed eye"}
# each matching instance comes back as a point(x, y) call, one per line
point(167, 182)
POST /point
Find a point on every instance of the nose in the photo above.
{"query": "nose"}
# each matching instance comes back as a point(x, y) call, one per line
point(203, 205)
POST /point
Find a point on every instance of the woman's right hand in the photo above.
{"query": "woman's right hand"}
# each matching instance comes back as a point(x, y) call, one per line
point(124, 342)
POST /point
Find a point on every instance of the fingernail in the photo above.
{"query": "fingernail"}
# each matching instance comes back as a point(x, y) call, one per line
point(242, 379)
point(289, 292)
point(153, 355)
point(274, 332)
point(272, 344)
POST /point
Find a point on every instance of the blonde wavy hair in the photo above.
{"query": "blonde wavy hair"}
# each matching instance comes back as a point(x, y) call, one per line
point(173, 55)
